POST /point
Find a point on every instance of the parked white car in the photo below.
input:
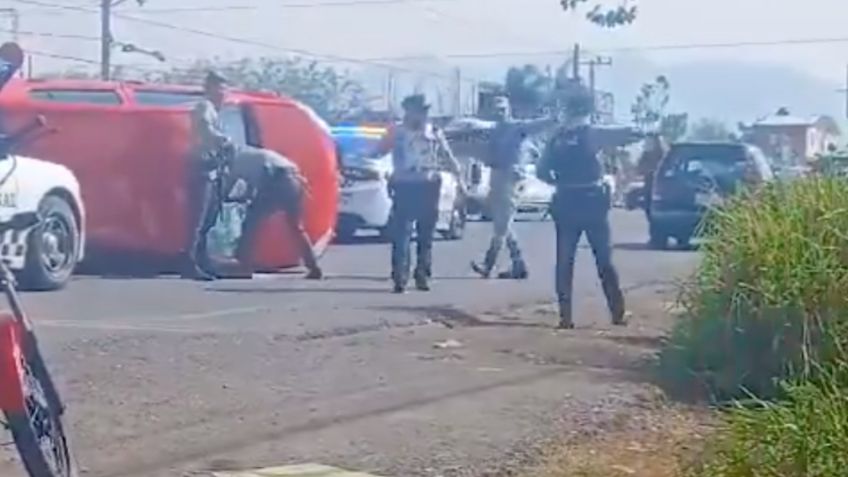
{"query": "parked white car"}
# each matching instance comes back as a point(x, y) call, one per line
point(45, 256)
point(365, 203)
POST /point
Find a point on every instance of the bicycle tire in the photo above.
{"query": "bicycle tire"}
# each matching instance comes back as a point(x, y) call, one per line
point(37, 461)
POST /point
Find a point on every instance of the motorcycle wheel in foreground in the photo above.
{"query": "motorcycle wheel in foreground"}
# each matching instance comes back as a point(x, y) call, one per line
point(28, 398)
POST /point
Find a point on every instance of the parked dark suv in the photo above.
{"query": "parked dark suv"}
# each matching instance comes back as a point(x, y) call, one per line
point(694, 177)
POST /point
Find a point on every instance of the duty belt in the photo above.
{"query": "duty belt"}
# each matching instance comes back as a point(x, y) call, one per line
point(585, 185)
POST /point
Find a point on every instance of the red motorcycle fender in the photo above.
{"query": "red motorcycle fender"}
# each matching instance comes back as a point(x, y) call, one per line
point(11, 372)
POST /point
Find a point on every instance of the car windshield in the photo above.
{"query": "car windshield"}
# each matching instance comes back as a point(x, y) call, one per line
point(714, 161)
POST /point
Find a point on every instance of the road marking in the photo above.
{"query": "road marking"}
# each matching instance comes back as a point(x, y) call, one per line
point(303, 470)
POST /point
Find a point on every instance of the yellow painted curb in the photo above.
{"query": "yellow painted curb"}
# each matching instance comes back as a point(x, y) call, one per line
point(303, 470)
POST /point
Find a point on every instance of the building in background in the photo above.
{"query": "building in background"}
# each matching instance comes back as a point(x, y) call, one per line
point(793, 140)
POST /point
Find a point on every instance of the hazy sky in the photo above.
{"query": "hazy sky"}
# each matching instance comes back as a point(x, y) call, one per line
point(389, 28)
point(463, 26)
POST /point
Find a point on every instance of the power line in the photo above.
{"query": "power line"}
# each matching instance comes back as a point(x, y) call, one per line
point(298, 51)
point(629, 49)
point(248, 42)
point(229, 8)
point(51, 35)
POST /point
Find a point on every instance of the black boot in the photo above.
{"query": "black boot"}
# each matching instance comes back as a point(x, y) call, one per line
point(517, 272)
point(485, 269)
point(565, 320)
point(422, 281)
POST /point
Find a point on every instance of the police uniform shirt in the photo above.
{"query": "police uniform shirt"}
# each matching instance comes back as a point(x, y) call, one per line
point(208, 129)
point(418, 154)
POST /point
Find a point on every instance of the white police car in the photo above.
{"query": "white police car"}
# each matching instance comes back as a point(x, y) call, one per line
point(44, 256)
point(364, 198)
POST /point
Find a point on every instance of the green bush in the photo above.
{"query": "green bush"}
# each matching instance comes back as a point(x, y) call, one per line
point(770, 299)
point(804, 436)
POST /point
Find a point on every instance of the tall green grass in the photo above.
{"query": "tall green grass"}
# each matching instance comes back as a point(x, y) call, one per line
point(805, 435)
point(769, 306)
point(770, 298)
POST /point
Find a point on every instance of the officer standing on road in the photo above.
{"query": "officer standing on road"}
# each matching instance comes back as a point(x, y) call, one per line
point(270, 182)
point(580, 205)
point(419, 152)
point(506, 157)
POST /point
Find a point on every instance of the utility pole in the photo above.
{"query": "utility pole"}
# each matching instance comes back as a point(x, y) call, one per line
point(575, 63)
point(105, 39)
point(597, 61)
point(458, 95)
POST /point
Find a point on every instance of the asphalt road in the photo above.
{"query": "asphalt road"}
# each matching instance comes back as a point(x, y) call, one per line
point(164, 376)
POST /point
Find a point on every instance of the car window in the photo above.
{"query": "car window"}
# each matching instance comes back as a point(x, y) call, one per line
point(705, 160)
point(98, 97)
point(232, 119)
point(166, 98)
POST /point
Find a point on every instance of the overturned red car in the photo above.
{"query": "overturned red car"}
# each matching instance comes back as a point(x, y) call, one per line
point(128, 144)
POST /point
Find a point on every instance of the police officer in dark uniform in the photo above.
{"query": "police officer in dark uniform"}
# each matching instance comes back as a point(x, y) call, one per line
point(580, 205)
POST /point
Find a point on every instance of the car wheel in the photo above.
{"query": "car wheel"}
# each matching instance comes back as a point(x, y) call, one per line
point(683, 241)
point(52, 247)
point(658, 239)
point(345, 233)
point(457, 224)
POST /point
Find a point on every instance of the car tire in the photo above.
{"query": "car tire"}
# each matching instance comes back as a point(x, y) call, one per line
point(658, 238)
point(52, 247)
point(345, 233)
point(683, 241)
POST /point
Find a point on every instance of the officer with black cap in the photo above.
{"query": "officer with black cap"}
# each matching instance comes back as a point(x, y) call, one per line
point(263, 178)
point(420, 152)
point(580, 205)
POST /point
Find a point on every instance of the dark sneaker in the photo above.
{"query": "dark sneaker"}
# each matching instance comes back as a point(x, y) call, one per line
point(565, 325)
point(315, 274)
point(481, 270)
point(621, 320)
point(398, 289)
point(520, 274)
point(422, 284)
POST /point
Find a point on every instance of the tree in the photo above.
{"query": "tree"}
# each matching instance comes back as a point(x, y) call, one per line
point(649, 107)
point(623, 14)
point(330, 93)
point(528, 88)
point(711, 130)
point(673, 127)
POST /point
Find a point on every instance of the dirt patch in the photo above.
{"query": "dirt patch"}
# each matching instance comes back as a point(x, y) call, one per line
point(661, 442)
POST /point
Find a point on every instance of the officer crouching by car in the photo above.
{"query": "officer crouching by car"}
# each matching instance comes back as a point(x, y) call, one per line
point(264, 179)
point(580, 205)
point(419, 152)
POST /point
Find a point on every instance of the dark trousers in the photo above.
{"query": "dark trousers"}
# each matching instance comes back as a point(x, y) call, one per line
point(577, 212)
point(204, 209)
point(649, 192)
point(414, 204)
point(280, 189)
